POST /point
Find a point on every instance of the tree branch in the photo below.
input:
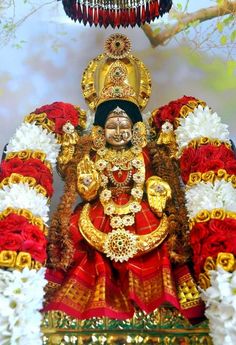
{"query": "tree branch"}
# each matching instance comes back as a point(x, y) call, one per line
point(183, 23)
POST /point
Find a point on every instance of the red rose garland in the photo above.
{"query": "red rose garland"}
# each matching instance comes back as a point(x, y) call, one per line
point(210, 238)
point(60, 113)
point(206, 158)
point(17, 234)
point(30, 167)
point(169, 112)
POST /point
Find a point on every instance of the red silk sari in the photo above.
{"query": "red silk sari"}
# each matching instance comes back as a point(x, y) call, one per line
point(95, 286)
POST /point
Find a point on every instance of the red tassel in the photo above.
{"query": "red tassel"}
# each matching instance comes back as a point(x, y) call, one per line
point(112, 18)
point(122, 17)
point(147, 13)
point(85, 16)
point(79, 14)
point(126, 17)
point(117, 19)
point(132, 20)
point(156, 9)
point(105, 21)
point(143, 16)
point(152, 10)
point(138, 16)
point(100, 16)
point(95, 16)
point(90, 16)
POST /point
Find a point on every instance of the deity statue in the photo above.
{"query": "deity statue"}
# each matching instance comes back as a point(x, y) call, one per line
point(124, 246)
point(147, 220)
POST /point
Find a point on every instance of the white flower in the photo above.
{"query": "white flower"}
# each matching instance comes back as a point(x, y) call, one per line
point(138, 178)
point(109, 210)
point(105, 195)
point(32, 137)
point(201, 123)
point(68, 128)
point(116, 222)
point(167, 127)
point(22, 196)
point(21, 298)
point(137, 163)
point(137, 193)
point(101, 164)
point(135, 207)
point(208, 196)
point(220, 299)
point(128, 220)
point(102, 152)
point(104, 180)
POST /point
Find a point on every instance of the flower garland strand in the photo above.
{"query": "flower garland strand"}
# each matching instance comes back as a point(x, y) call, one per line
point(220, 299)
point(208, 168)
point(21, 299)
point(25, 189)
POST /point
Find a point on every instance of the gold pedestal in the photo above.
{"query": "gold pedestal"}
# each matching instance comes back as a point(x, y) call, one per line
point(165, 326)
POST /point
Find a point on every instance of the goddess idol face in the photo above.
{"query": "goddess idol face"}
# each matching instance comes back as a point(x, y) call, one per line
point(118, 129)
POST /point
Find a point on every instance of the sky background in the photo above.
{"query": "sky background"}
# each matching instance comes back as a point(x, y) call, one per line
point(55, 51)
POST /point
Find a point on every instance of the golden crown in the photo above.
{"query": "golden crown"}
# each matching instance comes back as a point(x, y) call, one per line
point(116, 74)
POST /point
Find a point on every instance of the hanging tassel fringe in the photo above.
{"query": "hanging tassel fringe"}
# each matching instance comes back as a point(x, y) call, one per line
point(115, 13)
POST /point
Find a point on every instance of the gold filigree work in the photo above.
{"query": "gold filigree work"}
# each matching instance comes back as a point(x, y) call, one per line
point(143, 243)
point(188, 293)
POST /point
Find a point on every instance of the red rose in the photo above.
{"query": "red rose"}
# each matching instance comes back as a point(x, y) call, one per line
point(10, 241)
point(210, 238)
point(230, 167)
point(60, 113)
point(31, 168)
point(170, 111)
point(32, 232)
point(227, 226)
point(36, 250)
point(13, 224)
point(200, 231)
point(190, 162)
point(214, 165)
point(9, 167)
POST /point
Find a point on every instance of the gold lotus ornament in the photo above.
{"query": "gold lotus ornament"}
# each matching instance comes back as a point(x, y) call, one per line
point(120, 245)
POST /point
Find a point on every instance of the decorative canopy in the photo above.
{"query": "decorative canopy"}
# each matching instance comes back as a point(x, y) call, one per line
point(115, 12)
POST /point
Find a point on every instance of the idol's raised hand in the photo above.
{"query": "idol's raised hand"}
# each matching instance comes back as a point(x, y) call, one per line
point(88, 179)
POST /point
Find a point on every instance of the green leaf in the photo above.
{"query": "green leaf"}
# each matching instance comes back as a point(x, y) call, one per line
point(233, 36)
point(223, 40)
point(228, 19)
point(179, 6)
point(220, 26)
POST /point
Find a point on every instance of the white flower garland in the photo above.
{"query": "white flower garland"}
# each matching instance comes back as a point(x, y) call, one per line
point(32, 137)
point(22, 196)
point(21, 298)
point(201, 123)
point(220, 299)
point(208, 196)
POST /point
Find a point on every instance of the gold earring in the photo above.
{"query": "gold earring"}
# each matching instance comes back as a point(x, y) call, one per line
point(98, 138)
point(139, 135)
